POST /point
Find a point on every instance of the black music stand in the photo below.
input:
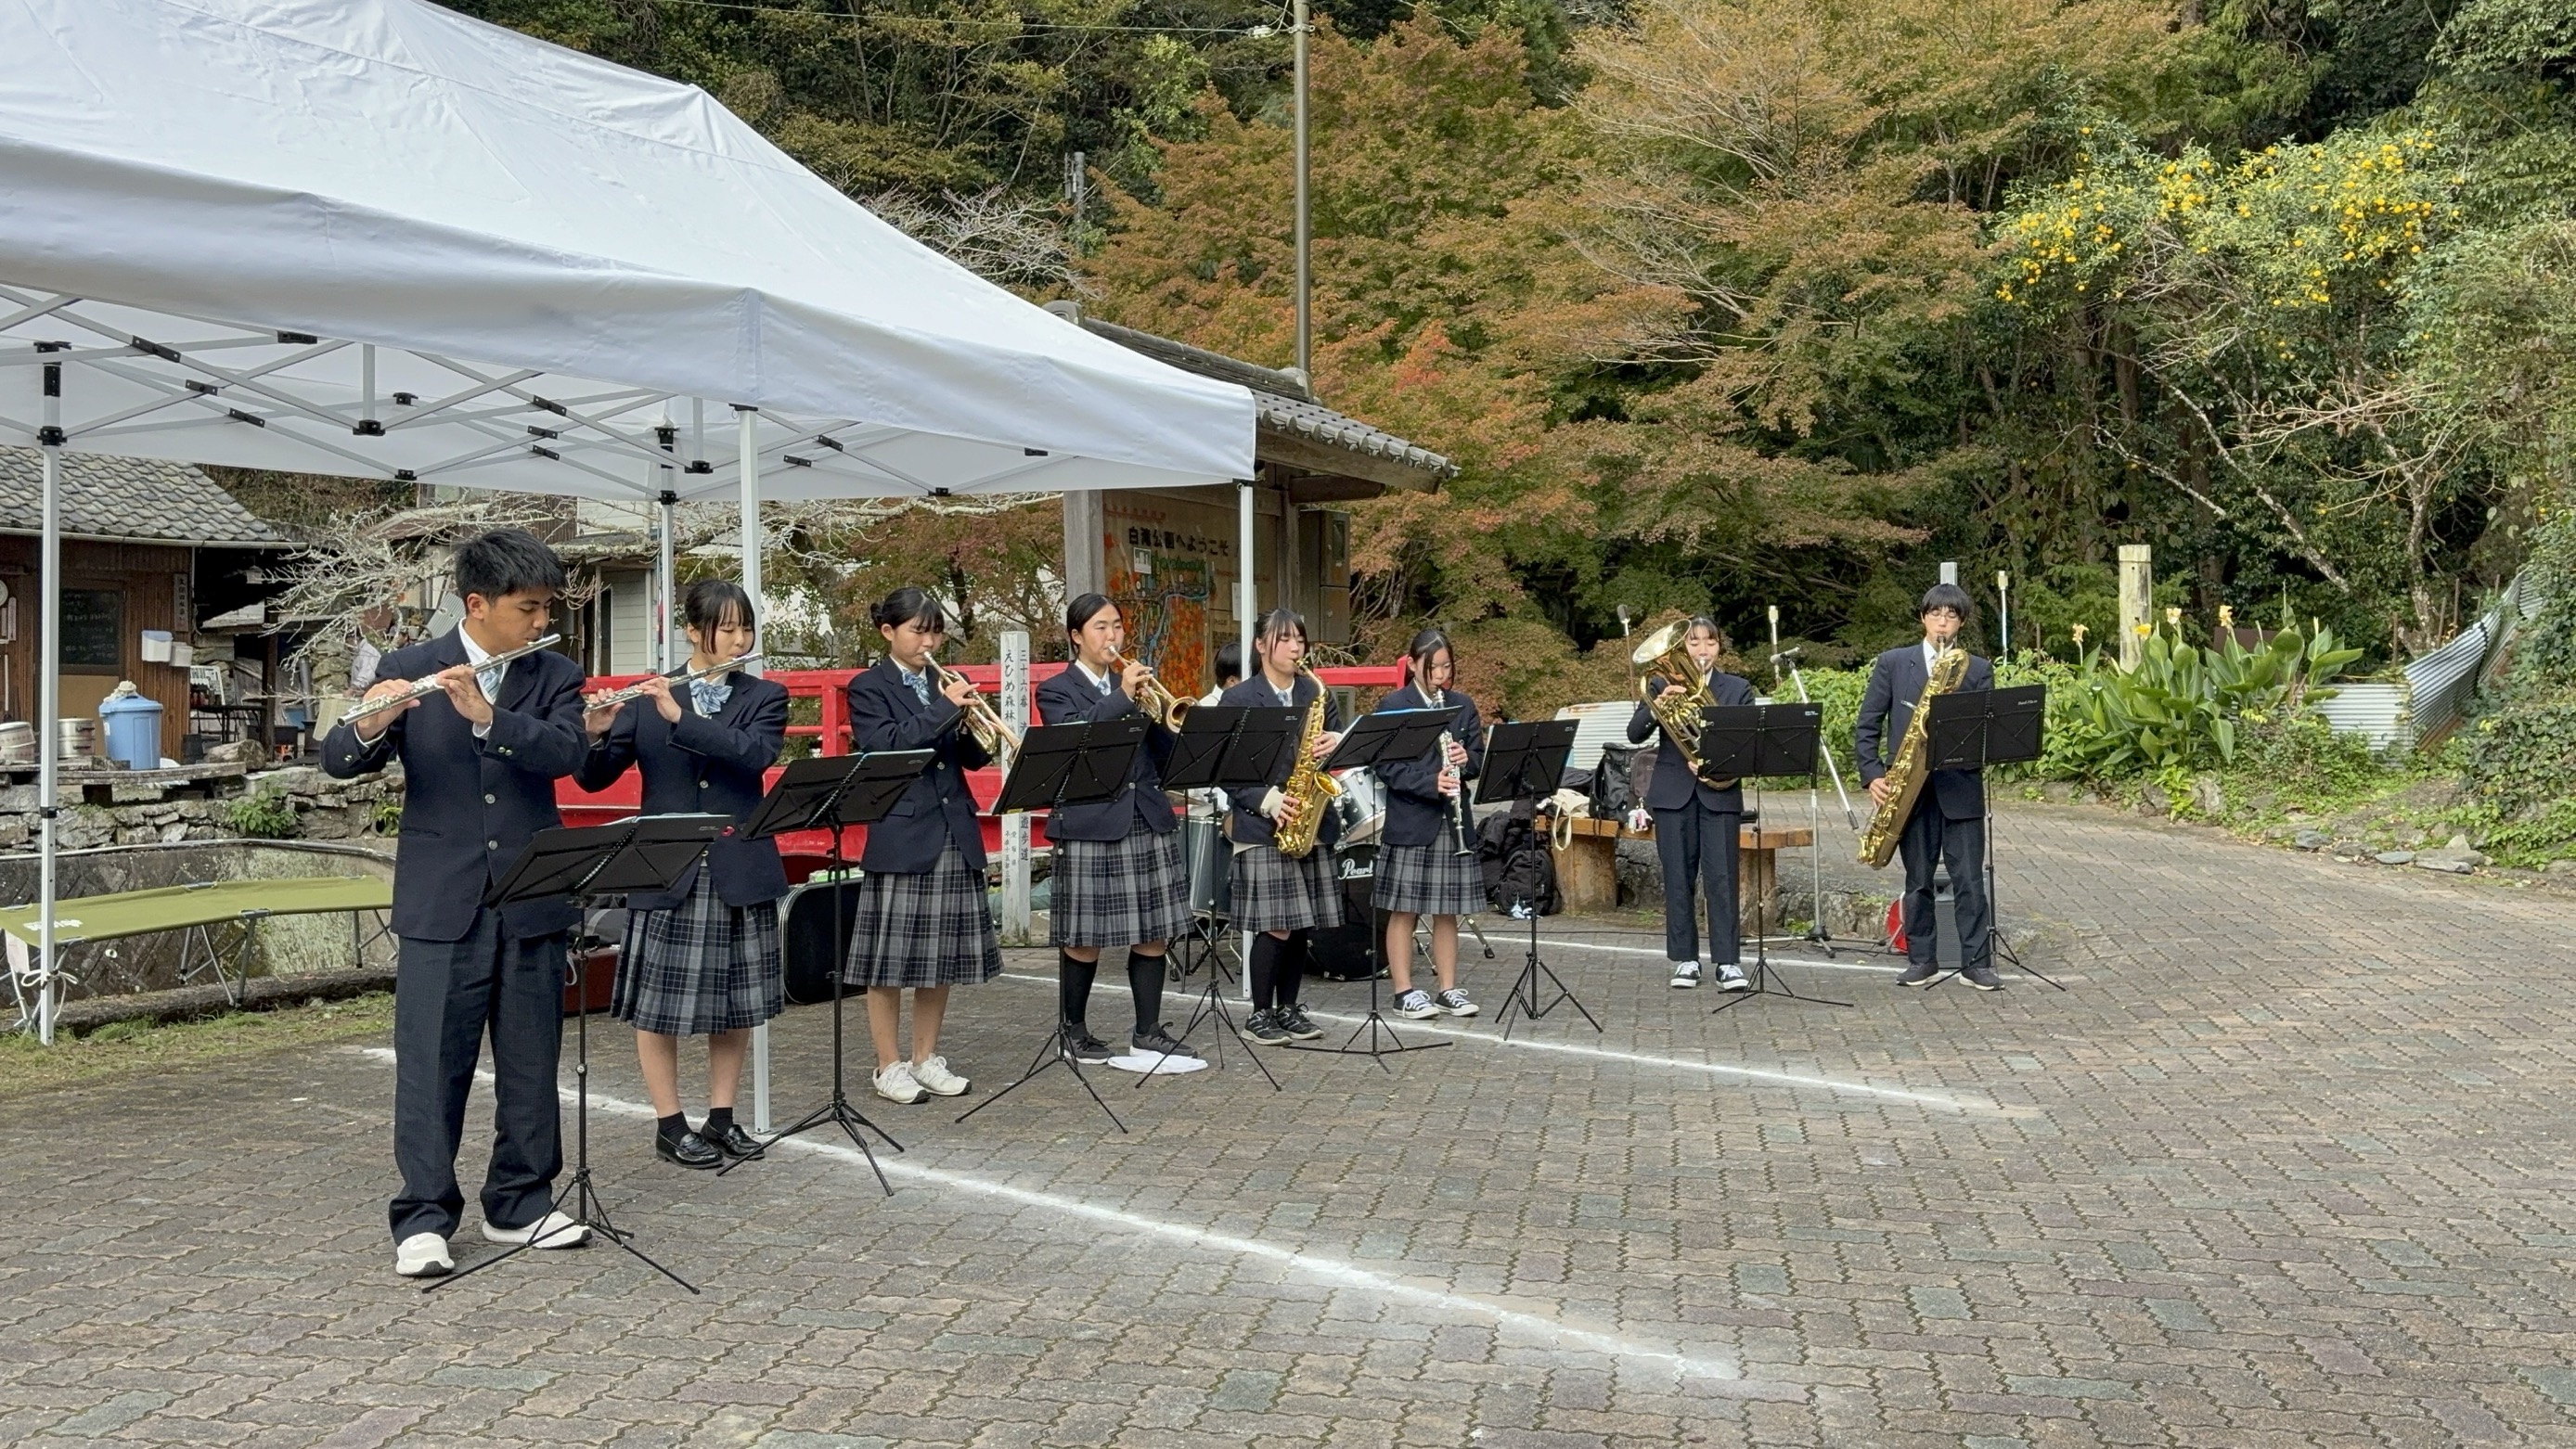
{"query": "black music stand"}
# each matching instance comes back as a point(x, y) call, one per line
point(585, 865)
point(1970, 729)
point(1525, 760)
point(1060, 765)
point(834, 792)
point(1750, 742)
point(1231, 747)
point(1397, 734)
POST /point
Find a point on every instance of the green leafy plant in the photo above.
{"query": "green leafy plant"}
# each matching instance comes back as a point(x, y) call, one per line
point(386, 818)
point(2179, 709)
point(267, 815)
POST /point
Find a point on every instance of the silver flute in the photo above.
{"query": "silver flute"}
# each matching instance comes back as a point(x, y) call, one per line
point(608, 697)
point(424, 688)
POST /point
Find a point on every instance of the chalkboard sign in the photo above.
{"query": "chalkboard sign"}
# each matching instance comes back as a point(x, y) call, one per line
point(94, 631)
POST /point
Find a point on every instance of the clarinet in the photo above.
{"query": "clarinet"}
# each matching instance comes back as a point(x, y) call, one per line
point(1462, 841)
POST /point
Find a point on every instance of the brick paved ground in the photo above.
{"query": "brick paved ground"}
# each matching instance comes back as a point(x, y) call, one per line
point(2285, 1166)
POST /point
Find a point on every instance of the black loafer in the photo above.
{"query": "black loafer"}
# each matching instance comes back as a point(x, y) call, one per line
point(735, 1143)
point(689, 1150)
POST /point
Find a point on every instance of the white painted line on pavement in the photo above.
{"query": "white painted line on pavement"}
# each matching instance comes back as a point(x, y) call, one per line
point(1331, 1270)
point(1642, 1059)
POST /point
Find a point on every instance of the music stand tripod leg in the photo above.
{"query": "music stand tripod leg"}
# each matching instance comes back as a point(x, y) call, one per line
point(1373, 1024)
point(1056, 1051)
point(587, 1210)
point(838, 1110)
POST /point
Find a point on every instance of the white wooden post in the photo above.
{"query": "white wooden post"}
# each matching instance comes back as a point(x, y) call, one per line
point(2137, 593)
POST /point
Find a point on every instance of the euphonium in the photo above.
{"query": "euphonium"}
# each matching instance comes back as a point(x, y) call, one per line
point(1309, 789)
point(998, 739)
point(1164, 707)
point(1665, 655)
point(1910, 768)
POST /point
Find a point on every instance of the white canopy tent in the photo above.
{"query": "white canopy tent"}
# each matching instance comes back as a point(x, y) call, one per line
point(379, 239)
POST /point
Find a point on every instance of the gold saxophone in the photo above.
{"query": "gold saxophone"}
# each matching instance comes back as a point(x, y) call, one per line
point(1909, 769)
point(1309, 789)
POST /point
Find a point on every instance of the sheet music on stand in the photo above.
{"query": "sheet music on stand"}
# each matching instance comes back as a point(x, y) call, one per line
point(1753, 742)
point(1969, 729)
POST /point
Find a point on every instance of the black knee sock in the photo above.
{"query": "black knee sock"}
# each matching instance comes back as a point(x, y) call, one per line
point(1073, 978)
point(718, 1120)
point(673, 1127)
point(1292, 967)
point(1145, 979)
point(1265, 969)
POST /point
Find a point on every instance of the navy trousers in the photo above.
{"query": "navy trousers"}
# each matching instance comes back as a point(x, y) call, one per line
point(1697, 845)
point(448, 995)
point(1961, 846)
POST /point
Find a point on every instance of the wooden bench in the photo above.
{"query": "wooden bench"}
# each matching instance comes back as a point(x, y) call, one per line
point(1587, 867)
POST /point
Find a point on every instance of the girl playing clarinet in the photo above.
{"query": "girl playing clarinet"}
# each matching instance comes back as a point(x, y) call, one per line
point(922, 921)
point(1118, 879)
point(1278, 900)
point(1421, 869)
point(704, 959)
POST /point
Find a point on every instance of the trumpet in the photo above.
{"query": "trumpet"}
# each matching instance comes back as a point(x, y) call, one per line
point(997, 737)
point(1166, 708)
point(609, 698)
point(424, 688)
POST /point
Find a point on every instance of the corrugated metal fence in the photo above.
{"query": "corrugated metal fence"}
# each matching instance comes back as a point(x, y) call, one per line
point(2433, 695)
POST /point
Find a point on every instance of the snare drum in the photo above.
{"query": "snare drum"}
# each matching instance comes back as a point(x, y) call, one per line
point(1362, 807)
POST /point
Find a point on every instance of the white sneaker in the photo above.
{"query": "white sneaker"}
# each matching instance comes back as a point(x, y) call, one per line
point(1685, 975)
point(934, 1076)
point(896, 1084)
point(1730, 977)
point(423, 1255)
point(554, 1230)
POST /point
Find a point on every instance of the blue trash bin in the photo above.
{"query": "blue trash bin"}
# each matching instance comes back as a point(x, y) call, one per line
point(132, 725)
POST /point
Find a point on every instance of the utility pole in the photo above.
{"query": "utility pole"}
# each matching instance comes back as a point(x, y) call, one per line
point(1305, 268)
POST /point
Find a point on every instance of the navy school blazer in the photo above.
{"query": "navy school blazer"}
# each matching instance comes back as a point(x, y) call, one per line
point(1071, 698)
point(1673, 785)
point(1244, 825)
point(703, 764)
point(937, 810)
point(1416, 812)
point(1896, 681)
point(469, 805)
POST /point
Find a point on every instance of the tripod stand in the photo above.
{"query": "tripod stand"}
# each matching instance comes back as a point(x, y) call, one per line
point(1969, 730)
point(1226, 747)
point(1750, 741)
point(1205, 944)
point(649, 853)
point(1523, 761)
point(835, 792)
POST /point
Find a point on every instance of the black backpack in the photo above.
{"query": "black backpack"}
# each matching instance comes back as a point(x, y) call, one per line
point(1614, 782)
point(1517, 867)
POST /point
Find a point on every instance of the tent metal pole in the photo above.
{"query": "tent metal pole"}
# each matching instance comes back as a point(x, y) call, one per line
point(49, 696)
point(1244, 594)
point(1305, 263)
point(747, 438)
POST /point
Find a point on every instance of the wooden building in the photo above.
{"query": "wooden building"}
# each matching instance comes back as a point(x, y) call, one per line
point(1167, 555)
point(148, 548)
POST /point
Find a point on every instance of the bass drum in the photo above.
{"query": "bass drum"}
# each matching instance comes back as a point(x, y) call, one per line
point(1209, 862)
point(810, 938)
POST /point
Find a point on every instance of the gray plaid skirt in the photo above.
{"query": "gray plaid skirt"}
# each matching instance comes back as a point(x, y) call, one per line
point(1274, 893)
point(932, 929)
point(701, 967)
point(1119, 892)
point(1428, 880)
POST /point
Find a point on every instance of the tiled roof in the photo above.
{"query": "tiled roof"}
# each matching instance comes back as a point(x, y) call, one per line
point(129, 500)
point(1287, 405)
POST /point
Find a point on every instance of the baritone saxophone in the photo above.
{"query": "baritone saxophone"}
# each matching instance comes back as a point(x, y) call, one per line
point(1910, 768)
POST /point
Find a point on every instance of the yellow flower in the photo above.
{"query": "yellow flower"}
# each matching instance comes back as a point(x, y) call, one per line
point(2173, 616)
point(2144, 631)
point(2079, 634)
point(2226, 617)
